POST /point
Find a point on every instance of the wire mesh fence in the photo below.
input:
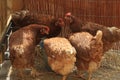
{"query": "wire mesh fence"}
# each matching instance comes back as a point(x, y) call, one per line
point(99, 11)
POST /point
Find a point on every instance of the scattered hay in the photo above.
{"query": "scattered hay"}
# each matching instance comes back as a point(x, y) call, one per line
point(111, 59)
point(109, 70)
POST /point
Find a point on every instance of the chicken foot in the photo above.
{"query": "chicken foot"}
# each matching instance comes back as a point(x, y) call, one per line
point(89, 76)
point(78, 74)
point(35, 73)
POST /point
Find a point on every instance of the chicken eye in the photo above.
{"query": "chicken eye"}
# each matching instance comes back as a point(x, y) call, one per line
point(42, 30)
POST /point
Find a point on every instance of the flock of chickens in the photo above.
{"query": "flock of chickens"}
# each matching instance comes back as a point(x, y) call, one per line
point(83, 48)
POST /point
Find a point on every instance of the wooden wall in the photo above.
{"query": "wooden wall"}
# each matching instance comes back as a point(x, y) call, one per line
point(2, 21)
point(6, 8)
point(106, 12)
point(3, 15)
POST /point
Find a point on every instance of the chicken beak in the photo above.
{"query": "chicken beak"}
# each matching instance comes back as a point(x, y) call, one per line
point(47, 32)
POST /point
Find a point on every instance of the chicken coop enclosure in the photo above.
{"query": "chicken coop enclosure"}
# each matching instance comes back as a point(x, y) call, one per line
point(99, 11)
point(104, 12)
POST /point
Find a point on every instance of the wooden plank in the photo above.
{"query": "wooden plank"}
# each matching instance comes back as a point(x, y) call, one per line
point(0, 57)
point(2, 36)
point(3, 15)
point(8, 21)
point(16, 5)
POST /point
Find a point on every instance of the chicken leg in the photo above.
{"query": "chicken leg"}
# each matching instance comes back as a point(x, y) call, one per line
point(79, 74)
point(34, 72)
point(89, 76)
point(20, 73)
point(92, 67)
point(64, 77)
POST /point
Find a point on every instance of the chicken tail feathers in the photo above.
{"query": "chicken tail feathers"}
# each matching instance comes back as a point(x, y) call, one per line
point(115, 33)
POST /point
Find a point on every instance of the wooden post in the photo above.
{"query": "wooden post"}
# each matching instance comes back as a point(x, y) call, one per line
point(0, 57)
point(3, 15)
point(15, 5)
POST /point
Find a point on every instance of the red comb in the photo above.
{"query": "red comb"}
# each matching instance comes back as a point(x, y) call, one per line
point(47, 28)
point(68, 14)
point(60, 19)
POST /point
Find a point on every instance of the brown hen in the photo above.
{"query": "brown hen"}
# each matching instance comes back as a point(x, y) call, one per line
point(110, 34)
point(22, 46)
point(89, 51)
point(61, 55)
point(25, 17)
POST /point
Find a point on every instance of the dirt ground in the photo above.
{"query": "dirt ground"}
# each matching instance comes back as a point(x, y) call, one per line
point(109, 70)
